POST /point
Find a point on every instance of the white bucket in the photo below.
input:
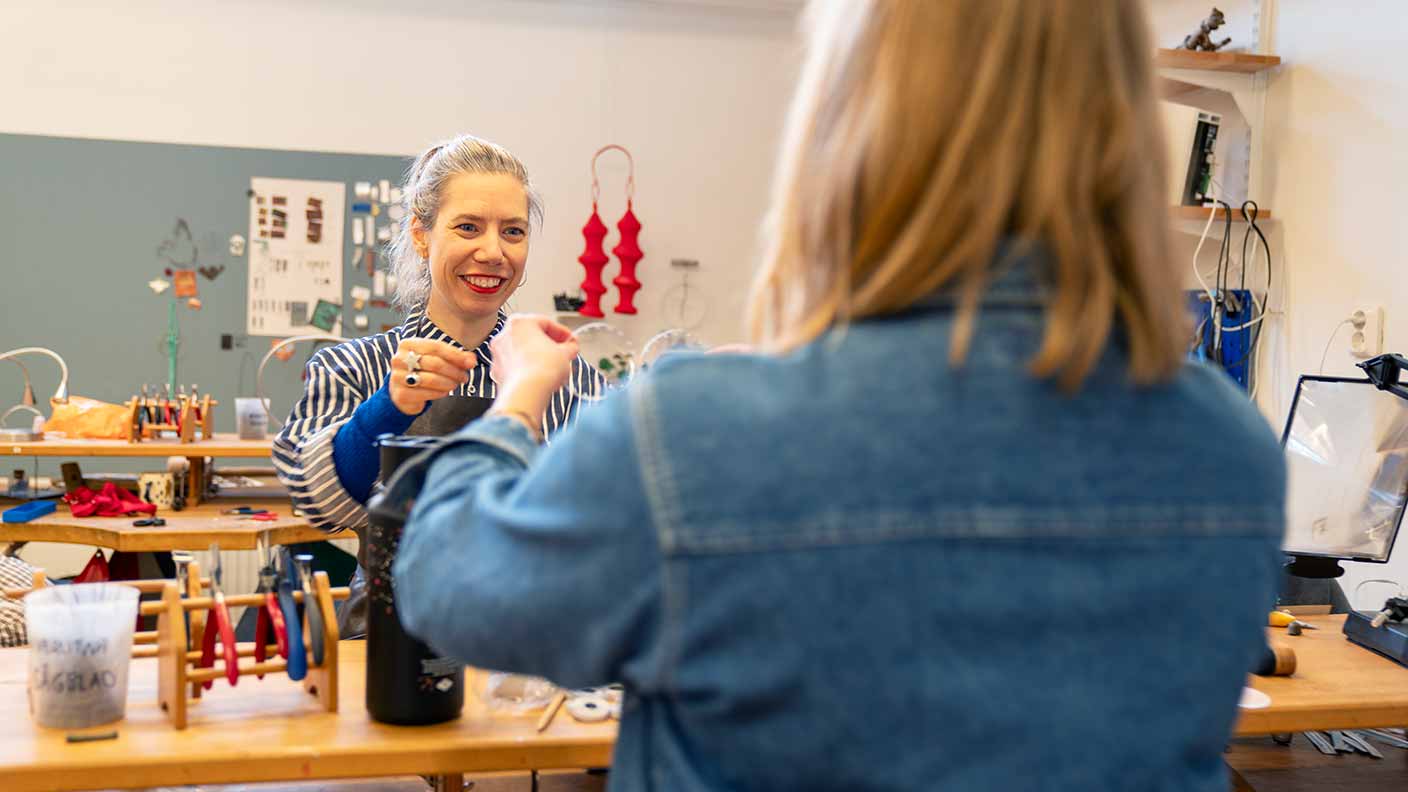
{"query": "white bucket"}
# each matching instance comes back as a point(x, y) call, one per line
point(80, 647)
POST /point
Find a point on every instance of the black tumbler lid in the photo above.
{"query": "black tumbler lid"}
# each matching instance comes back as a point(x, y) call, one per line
point(396, 449)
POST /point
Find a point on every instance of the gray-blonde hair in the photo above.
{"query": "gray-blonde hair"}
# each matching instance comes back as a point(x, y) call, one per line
point(421, 195)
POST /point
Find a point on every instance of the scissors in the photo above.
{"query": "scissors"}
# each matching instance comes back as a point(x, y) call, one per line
point(270, 617)
point(293, 626)
point(311, 606)
point(227, 630)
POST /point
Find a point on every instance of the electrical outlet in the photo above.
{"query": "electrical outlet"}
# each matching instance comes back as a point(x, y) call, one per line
point(1367, 340)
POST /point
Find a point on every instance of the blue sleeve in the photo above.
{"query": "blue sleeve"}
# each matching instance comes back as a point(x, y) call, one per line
point(354, 453)
point(538, 560)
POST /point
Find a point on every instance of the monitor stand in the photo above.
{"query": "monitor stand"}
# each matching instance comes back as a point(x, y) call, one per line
point(1314, 567)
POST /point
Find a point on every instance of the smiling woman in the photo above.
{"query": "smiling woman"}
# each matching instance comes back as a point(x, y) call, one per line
point(460, 252)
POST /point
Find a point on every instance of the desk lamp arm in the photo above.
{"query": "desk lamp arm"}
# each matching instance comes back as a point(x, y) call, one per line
point(60, 395)
point(259, 374)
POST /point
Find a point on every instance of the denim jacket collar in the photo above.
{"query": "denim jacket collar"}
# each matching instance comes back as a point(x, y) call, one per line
point(1017, 280)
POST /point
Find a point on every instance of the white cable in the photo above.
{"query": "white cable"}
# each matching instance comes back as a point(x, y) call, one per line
point(1212, 215)
point(1326, 353)
point(1215, 188)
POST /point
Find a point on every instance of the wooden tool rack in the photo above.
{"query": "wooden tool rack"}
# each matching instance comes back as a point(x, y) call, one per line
point(191, 413)
point(178, 680)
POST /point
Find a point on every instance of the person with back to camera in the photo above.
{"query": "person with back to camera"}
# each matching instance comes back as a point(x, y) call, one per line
point(967, 520)
point(460, 252)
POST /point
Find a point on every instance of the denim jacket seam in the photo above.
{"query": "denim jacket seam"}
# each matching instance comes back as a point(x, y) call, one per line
point(837, 529)
point(660, 492)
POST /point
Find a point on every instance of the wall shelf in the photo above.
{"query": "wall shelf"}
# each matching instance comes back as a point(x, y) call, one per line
point(1241, 62)
point(1202, 212)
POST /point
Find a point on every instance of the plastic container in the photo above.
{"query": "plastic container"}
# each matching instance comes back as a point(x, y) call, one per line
point(408, 683)
point(80, 649)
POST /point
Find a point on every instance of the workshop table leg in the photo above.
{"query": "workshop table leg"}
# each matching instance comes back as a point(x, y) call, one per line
point(450, 782)
point(1239, 784)
point(196, 477)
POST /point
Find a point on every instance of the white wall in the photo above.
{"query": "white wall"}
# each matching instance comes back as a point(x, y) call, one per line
point(1337, 133)
point(695, 90)
point(1335, 166)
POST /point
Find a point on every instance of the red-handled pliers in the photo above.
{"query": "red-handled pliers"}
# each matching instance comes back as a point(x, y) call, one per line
point(221, 615)
point(270, 616)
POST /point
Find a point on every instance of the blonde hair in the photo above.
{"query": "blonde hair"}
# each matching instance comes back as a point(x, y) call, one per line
point(421, 195)
point(925, 133)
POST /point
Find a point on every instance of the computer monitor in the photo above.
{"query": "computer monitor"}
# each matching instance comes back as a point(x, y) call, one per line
point(1346, 446)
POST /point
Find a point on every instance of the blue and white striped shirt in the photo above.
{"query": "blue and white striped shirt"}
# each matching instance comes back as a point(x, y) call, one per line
point(341, 378)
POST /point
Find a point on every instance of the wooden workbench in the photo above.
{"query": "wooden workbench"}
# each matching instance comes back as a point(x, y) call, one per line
point(1337, 685)
point(220, 445)
point(192, 528)
point(271, 730)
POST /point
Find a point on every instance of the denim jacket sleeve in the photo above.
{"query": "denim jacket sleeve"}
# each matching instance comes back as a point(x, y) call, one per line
point(537, 560)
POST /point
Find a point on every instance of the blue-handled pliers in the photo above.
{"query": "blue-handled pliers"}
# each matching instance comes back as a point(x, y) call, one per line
point(288, 582)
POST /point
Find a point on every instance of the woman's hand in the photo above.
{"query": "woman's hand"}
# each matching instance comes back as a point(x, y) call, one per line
point(532, 359)
point(443, 368)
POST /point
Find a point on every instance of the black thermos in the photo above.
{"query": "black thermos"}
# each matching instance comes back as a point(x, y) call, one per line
point(407, 682)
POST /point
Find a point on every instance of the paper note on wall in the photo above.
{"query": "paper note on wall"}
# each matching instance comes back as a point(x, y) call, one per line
point(295, 252)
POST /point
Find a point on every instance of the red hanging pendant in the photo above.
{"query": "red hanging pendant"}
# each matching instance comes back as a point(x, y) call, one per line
point(628, 251)
point(594, 259)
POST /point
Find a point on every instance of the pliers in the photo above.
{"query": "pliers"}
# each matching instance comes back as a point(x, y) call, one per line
point(245, 510)
point(311, 606)
point(270, 617)
point(221, 615)
point(297, 658)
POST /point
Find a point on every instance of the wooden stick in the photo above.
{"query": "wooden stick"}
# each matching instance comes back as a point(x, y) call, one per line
point(553, 707)
point(144, 586)
point(270, 667)
point(233, 601)
point(242, 650)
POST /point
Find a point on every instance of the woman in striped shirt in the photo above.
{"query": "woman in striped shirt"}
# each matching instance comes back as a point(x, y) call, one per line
point(460, 252)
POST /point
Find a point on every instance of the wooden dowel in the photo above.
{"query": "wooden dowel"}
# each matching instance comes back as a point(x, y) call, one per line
point(243, 650)
point(206, 674)
point(144, 586)
point(145, 637)
point(232, 601)
point(551, 710)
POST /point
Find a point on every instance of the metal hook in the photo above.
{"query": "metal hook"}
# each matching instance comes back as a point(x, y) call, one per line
point(630, 178)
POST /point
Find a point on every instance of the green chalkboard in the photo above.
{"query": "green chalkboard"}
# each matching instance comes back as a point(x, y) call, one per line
point(82, 226)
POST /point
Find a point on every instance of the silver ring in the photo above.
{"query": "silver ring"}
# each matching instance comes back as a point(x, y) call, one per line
point(412, 380)
point(413, 360)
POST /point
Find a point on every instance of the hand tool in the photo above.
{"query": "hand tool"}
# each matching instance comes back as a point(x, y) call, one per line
point(1360, 744)
point(221, 615)
point(297, 655)
point(1321, 743)
point(270, 617)
point(244, 510)
point(183, 561)
point(311, 607)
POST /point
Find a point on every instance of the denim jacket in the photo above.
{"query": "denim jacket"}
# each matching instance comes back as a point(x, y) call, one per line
point(856, 567)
